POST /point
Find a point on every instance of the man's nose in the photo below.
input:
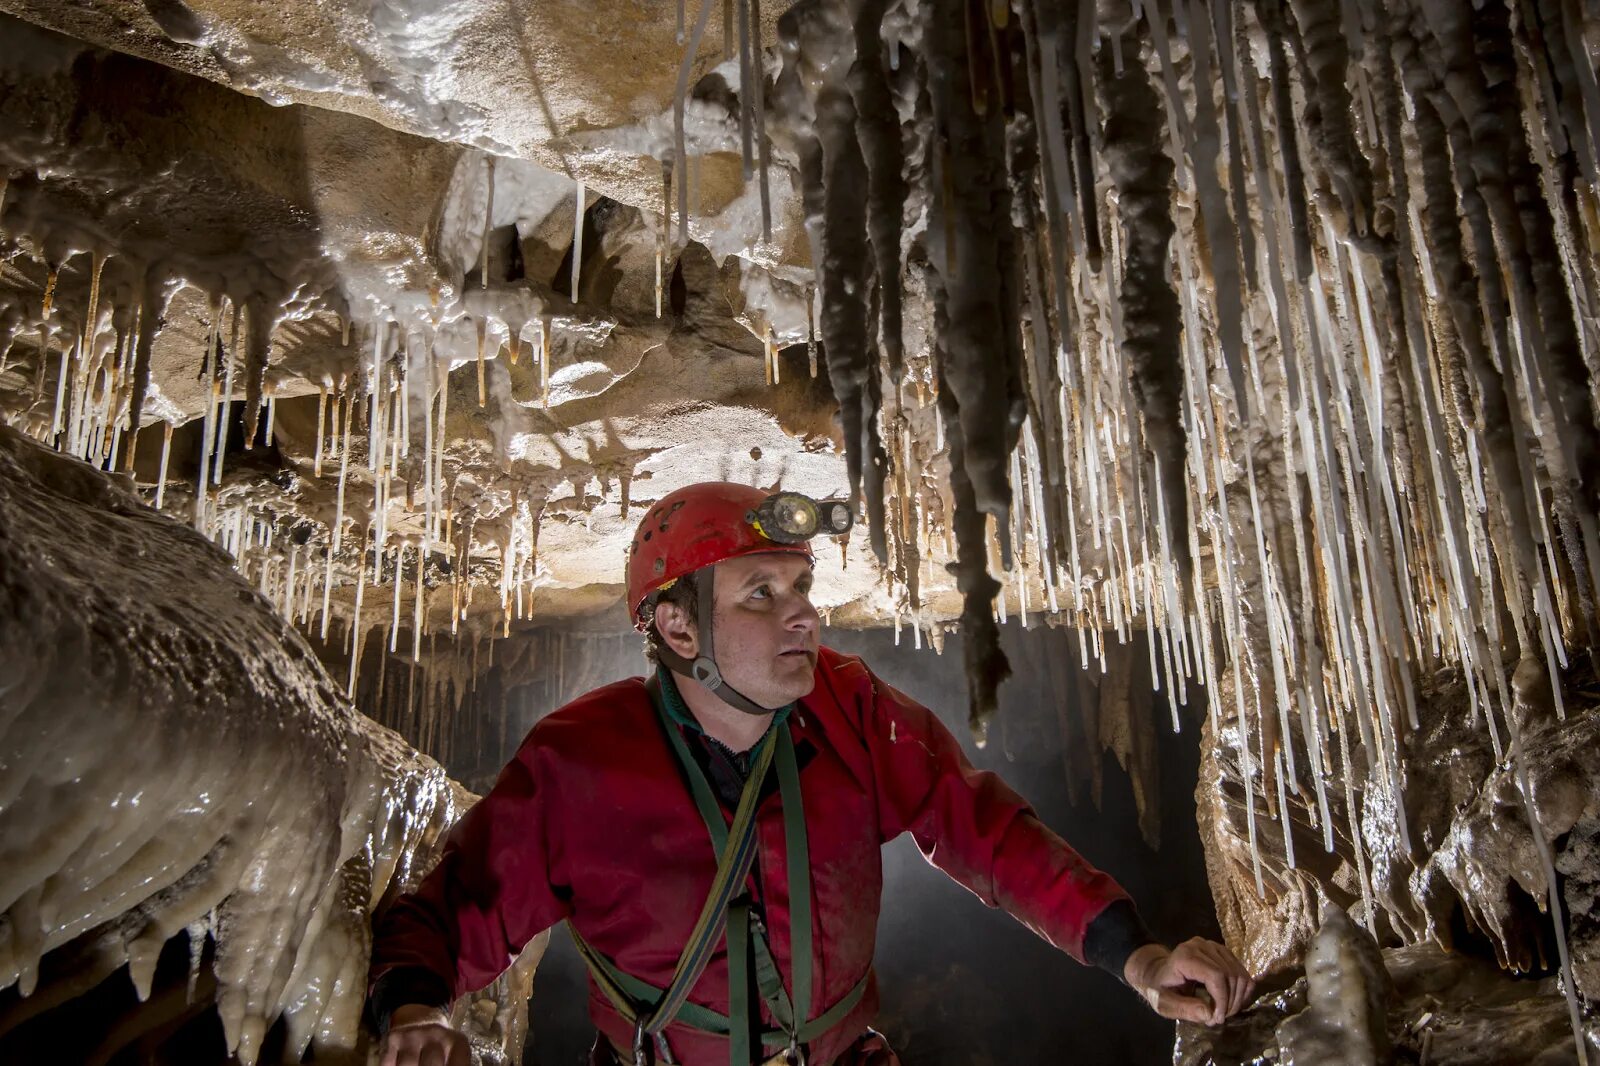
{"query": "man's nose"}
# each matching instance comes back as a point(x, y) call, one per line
point(802, 615)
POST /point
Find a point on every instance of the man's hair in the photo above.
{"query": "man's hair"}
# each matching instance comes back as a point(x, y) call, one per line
point(684, 593)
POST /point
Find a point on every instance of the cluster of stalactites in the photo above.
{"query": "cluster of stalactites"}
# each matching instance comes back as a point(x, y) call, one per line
point(394, 519)
point(1291, 304)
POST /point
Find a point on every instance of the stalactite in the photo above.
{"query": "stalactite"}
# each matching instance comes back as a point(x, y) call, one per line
point(986, 665)
point(970, 241)
point(680, 155)
point(488, 222)
point(1220, 250)
point(757, 89)
point(1274, 24)
point(166, 453)
point(845, 274)
point(1329, 109)
point(878, 129)
point(220, 447)
point(1142, 174)
point(155, 292)
point(577, 240)
point(258, 347)
point(746, 97)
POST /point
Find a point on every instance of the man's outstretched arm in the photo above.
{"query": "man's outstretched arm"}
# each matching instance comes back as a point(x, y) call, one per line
point(973, 826)
point(489, 895)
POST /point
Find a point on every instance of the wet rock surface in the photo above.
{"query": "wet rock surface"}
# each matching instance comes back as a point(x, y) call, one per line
point(1421, 1005)
point(174, 761)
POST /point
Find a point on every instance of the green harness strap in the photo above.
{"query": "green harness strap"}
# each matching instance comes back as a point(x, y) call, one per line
point(736, 848)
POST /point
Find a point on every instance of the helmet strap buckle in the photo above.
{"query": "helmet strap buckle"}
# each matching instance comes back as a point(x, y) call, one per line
point(704, 670)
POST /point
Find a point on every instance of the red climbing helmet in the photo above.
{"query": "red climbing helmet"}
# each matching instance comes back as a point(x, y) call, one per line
point(699, 525)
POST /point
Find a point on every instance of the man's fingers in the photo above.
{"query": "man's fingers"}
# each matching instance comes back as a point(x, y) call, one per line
point(1233, 976)
point(432, 1054)
point(1216, 983)
point(1183, 1007)
point(1246, 987)
point(1201, 962)
point(391, 1054)
point(1238, 982)
point(459, 1054)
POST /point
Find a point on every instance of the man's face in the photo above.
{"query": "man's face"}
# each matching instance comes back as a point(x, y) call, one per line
point(765, 629)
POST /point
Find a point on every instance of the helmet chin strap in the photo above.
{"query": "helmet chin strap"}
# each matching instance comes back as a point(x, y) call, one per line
point(704, 666)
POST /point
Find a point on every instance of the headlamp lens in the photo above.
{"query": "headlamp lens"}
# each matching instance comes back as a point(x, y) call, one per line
point(795, 515)
point(835, 517)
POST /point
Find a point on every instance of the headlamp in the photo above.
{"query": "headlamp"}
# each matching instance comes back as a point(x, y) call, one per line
point(791, 517)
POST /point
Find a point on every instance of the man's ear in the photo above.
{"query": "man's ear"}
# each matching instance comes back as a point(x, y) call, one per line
point(678, 632)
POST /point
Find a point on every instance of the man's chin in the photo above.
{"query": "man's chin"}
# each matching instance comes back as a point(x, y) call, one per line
point(796, 680)
point(792, 678)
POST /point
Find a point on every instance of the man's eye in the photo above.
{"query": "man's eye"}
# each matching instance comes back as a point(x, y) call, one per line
point(761, 592)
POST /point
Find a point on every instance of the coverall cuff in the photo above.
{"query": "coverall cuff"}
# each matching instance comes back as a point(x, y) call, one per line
point(1113, 935)
point(401, 986)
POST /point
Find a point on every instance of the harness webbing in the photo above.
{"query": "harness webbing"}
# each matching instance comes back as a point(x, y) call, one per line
point(650, 1009)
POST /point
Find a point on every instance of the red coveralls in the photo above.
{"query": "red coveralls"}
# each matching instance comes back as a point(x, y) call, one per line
point(592, 822)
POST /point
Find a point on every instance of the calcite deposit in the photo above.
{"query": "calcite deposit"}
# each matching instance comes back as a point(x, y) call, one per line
point(1359, 1006)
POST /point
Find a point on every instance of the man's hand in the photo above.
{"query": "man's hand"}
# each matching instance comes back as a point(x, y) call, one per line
point(421, 1036)
point(1164, 978)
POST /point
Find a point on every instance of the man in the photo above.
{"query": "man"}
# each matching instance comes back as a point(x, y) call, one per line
point(713, 836)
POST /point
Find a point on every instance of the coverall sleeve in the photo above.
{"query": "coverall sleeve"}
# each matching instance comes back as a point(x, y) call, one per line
point(477, 909)
point(973, 826)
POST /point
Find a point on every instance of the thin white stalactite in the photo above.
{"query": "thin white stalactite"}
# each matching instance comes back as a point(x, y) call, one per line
point(220, 446)
point(1284, 821)
point(546, 348)
point(680, 154)
point(376, 396)
point(416, 616)
point(203, 475)
point(166, 455)
point(344, 474)
point(403, 425)
point(483, 326)
point(577, 241)
point(441, 510)
point(399, 570)
point(488, 223)
point(327, 592)
point(61, 392)
point(286, 604)
point(356, 643)
point(428, 487)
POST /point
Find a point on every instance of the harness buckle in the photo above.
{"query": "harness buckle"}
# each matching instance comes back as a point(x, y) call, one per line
point(638, 1045)
point(796, 1055)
